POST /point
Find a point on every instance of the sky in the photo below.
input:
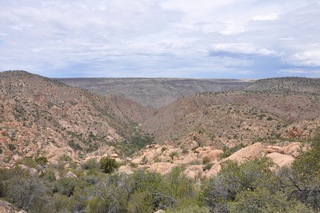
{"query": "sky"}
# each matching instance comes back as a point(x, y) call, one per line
point(245, 39)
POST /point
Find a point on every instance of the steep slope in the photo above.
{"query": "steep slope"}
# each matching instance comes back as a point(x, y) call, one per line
point(234, 117)
point(40, 116)
point(154, 92)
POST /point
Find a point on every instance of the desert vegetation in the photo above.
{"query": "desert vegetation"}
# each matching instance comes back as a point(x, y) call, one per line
point(252, 186)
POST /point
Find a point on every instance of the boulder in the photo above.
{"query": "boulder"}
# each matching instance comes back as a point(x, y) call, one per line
point(162, 167)
point(247, 153)
point(281, 160)
point(194, 172)
point(215, 169)
point(212, 155)
point(194, 145)
point(6, 207)
point(189, 158)
point(125, 169)
point(292, 149)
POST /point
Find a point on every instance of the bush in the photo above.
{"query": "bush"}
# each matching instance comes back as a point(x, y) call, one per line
point(205, 160)
point(24, 191)
point(234, 179)
point(173, 154)
point(207, 166)
point(302, 181)
point(108, 165)
point(41, 160)
point(90, 164)
point(65, 186)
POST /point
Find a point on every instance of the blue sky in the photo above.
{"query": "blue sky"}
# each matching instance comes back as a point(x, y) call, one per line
point(161, 38)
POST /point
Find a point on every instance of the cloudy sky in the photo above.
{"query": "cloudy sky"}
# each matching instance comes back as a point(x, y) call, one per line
point(161, 38)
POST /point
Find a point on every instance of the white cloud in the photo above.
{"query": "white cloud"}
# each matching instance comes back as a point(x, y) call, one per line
point(267, 17)
point(165, 36)
point(309, 58)
point(241, 49)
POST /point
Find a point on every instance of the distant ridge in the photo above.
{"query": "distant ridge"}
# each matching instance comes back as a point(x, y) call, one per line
point(155, 92)
point(297, 84)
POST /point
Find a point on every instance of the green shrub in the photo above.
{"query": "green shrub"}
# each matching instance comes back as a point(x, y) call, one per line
point(108, 165)
point(205, 160)
point(173, 154)
point(41, 160)
point(28, 162)
point(90, 164)
point(164, 148)
point(65, 186)
point(208, 166)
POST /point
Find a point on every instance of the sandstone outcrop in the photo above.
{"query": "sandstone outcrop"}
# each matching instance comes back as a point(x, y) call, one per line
point(162, 159)
point(248, 153)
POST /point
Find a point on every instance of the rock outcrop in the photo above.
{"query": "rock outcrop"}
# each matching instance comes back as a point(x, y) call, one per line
point(205, 162)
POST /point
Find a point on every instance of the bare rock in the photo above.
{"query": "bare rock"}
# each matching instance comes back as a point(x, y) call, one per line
point(271, 149)
point(160, 211)
point(125, 169)
point(248, 153)
point(215, 169)
point(292, 149)
point(6, 207)
point(281, 160)
point(194, 145)
point(194, 172)
point(70, 175)
point(189, 158)
point(212, 155)
point(162, 167)
point(56, 153)
point(114, 155)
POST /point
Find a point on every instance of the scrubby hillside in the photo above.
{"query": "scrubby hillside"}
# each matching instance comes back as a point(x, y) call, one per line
point(40, 116)
point(234, 117)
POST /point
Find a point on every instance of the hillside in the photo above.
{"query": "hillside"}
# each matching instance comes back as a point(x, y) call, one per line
point(155, 92)
point(286, 84)
point(66, 149)
point(240, 116)
point(44, 117)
